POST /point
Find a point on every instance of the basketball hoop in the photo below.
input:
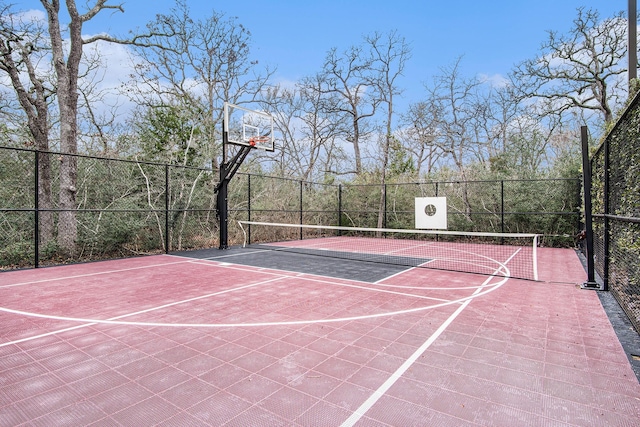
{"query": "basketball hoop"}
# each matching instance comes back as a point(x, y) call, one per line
point(262, 140)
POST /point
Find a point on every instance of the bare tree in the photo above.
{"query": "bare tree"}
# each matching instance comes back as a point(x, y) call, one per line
point(456, 101)
point(503, 108)
point(22, 46)
point(63, 49)
point(66, 58)
point(582, 69)
point(307, 134)
point(322, 129)
point(418, 133)
point(458, 105)
point(390, 54)
point(348, 89)
point(527, 147)
point(98, 109)
point(206, 63)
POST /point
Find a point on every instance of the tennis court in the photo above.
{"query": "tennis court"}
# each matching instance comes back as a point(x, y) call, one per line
point(267, 336)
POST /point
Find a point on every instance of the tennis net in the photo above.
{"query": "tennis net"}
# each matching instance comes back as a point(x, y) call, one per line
point(495, 254)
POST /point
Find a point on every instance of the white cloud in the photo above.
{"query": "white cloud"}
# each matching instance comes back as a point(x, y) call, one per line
point(115, 58)
point(287, 84)
point(495, 80)
point(34, 15)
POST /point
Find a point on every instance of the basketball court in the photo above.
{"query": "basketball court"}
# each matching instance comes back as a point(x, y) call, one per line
point(315, 326)
point(262, 336)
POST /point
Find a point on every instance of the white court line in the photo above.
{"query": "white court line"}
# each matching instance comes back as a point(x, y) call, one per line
point(359, 413)
point(431, 288)
point(377, 394)
point(99, 273)
point(411, 248)
point(113, 320)
point(328, 280)
point(254, 324)
point(491, 263)
point(502, 268)
point(214, 258)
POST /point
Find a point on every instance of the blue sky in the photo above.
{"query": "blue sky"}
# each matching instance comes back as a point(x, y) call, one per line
point(294, 35)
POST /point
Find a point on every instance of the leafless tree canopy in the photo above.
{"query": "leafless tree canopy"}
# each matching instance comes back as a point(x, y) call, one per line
point(581, 69)
point(343, 122)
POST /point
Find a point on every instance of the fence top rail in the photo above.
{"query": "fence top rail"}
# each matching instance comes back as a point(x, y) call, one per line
point(634, 220)
point(486, 181)
point(288, 179)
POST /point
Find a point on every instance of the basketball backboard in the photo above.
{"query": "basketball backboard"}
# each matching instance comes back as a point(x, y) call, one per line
point(248, 127)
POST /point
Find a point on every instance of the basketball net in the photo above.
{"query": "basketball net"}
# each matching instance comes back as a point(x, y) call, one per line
point(258, 140)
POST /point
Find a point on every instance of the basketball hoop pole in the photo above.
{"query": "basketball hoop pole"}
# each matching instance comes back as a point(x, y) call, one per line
point(248, 129)
point(221, 198)
point(227, 171)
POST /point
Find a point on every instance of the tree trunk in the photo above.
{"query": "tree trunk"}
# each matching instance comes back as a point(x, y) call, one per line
point(356, 146)
point(67, 90)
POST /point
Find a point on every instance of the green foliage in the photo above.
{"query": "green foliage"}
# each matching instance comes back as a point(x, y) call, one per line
point(171, 134)
point(634, 88)
point(401, 163)
point(16, 255)
point(499, 165)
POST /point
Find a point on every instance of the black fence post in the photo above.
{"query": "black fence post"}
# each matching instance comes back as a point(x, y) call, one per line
point(607, 212)
point(249, 208)
point(339, 208)
point(502, 205)
point(384, 218)
point(586, 173)
point(166, 208)
point(36, 210)
point(222, 206)
point(301, 207)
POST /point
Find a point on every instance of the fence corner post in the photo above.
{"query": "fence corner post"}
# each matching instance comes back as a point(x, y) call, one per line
point(586, 182)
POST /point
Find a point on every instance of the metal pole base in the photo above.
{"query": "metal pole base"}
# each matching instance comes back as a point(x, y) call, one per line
point(590, 286)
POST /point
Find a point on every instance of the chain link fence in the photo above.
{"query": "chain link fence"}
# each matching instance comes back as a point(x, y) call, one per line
point(123, 208)
point(128, 208)
point(550, 207)
point(615, 169)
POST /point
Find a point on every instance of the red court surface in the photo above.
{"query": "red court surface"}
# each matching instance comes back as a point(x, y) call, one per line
point(175, 341)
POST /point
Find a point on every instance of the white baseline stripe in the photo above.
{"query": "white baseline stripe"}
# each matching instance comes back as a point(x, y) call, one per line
point(359, 413)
